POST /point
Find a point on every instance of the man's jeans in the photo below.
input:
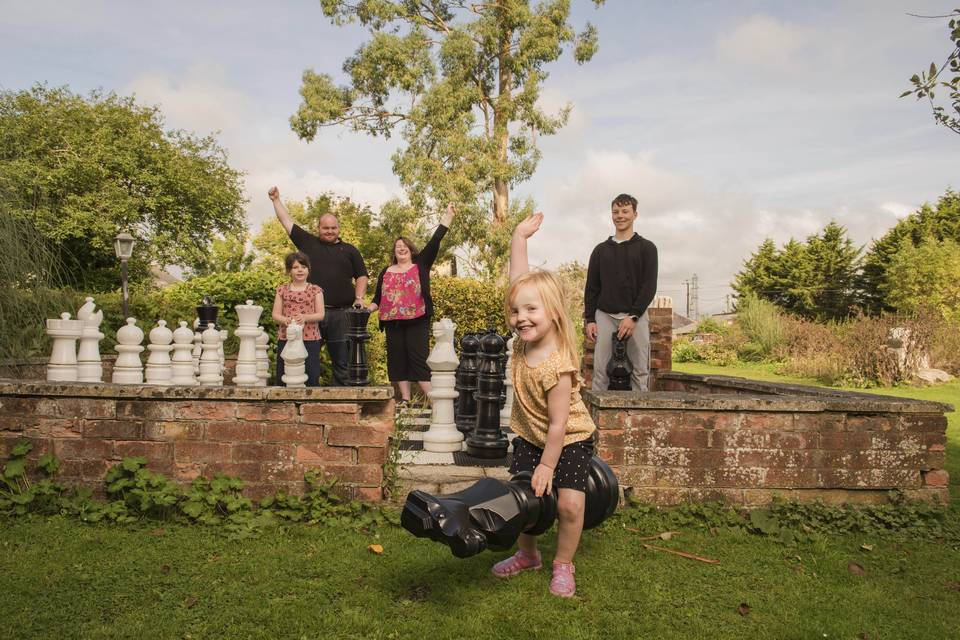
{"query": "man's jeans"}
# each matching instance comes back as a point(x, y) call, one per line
point(638, 350)
point(333, 330)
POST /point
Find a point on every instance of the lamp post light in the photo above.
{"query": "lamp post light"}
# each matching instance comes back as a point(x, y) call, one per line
point(123, 245)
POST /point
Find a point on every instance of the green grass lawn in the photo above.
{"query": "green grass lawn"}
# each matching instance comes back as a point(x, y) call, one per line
point(63, 579)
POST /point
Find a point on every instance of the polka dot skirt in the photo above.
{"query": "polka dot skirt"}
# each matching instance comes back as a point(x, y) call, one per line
point(572, 469)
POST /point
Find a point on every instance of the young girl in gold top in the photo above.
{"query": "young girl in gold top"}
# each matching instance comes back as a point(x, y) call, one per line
point(554, 430)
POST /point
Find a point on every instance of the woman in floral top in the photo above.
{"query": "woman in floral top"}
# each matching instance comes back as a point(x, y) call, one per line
point(403, 298)
point(301, 302)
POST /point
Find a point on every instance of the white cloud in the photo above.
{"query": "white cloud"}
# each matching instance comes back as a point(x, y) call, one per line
point(259, 142)
point(200, 99)
point(898, 209)
point(762, 41)
point(697, 229)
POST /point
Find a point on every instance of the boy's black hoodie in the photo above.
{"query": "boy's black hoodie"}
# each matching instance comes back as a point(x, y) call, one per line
point(621, 277)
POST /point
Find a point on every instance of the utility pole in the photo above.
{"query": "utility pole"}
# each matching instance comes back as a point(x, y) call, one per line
point(686, 283)
point(695, 297)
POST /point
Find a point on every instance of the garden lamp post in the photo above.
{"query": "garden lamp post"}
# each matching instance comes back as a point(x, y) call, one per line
point(123, 245)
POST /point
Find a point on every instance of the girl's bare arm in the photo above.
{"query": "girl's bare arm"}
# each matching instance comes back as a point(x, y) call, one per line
point(518, 245)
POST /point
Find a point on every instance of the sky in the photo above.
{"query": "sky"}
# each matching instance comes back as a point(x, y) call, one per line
point(729, 121)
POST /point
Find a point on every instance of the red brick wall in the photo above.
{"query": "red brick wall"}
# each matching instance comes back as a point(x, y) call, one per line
point(678, 447)
point(269, 437)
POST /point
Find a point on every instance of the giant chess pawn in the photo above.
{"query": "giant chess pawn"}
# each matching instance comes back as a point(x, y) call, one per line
point(182, 361)
point(89, 365)
point(443, 435)
point(62, 366)
point(128, 369)
point(487, 440)
point(210, 372)
point(248, 315)
point(159, 366)
point(466, 414)
point(263, 357)
point(294, 356)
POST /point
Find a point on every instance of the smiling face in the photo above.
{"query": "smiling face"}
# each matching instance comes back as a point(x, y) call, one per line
point(623, 216)
point(401, 252)
point(298, 272)
point(528, 316)
point(329, 228)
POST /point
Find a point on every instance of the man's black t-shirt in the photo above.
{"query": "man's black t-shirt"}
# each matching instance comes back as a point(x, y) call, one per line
point(333, 267)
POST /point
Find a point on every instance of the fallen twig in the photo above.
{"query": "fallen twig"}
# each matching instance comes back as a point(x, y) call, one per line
point(682, 554)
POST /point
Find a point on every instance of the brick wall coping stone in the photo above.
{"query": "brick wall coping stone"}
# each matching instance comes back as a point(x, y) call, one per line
point(750, 395)
point(760, 386)
point(10, 387)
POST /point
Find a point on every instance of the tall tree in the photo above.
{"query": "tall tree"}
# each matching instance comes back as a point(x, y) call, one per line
point(925, 276)
point(82, 169)
point(834, 263)
point(940, 222)
point(926, 83)
point(814, 279)
point(462, 81)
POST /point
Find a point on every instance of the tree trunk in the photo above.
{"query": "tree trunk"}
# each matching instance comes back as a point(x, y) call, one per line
point(501, 132)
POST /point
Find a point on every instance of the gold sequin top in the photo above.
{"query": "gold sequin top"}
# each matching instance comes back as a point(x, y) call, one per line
point(529, 418)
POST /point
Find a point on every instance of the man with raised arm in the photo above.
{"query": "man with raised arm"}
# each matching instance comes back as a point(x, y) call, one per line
point(621, 284)
point(337, 268)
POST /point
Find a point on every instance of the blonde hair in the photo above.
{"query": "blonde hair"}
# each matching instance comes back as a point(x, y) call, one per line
point(550, 289)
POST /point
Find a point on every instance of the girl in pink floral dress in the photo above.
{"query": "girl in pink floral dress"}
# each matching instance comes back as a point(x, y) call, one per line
point(302, 302)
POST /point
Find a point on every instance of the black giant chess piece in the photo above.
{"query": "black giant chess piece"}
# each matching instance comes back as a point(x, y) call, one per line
point(357, 337)
point(207, 314)
point(466, 384)
point(619, 369)
point(487, 440)
point(492, 513)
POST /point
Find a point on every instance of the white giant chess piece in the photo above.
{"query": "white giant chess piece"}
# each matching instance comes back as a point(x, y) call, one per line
point(89, 365)
point(197, 347)
point(443, 435)
point(62, 366)
point(210, 372)
point(508, 381)
point(128, 369)
point(182, 361)
point(159, 366)
point(294, 356)
point(263, 357)
point(248, 315)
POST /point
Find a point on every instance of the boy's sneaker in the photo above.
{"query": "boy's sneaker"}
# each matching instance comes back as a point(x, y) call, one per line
point(516, 563)
point(563, 584)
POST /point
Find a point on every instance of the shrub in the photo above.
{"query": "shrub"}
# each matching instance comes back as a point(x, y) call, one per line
point(762, 325)
point(474, 305)
point(685, 351)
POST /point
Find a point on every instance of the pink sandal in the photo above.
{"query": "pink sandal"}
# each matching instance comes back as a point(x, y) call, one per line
point(563, 584)
point(517, 563)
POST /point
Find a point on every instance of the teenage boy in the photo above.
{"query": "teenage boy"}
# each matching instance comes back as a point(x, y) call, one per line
point(337, 268)
point(621, 284)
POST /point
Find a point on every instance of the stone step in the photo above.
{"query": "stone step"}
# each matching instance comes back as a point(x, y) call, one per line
point(443, 479)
